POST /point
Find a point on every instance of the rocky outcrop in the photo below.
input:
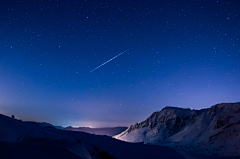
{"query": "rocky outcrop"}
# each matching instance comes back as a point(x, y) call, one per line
point(211, 127)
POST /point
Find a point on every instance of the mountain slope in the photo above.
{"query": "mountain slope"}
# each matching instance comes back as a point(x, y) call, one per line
point(27, 140)
point(212, 131)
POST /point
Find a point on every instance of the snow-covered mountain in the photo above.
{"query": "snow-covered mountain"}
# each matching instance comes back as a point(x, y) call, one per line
point(98, 131)
point(30, 140)
point(213, 131)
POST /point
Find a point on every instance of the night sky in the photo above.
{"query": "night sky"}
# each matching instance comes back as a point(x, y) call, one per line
point(114, 62)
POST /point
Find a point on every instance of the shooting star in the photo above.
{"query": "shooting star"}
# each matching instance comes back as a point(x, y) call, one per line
point(109, 60)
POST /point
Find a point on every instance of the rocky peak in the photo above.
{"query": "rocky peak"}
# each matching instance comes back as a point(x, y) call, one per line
point(172, 116)
point(175, 118)
point(226, 107)
point(214, 126)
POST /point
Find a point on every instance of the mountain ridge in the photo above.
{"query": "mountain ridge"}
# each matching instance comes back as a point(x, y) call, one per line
point(215, 127)
point(19, 139)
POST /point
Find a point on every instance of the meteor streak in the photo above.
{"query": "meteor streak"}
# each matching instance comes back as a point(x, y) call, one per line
point(109, 60)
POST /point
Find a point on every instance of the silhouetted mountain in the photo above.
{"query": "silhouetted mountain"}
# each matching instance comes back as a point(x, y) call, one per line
point(27, 140)
point(44, 124)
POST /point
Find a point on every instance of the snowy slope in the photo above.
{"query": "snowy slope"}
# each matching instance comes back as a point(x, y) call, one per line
point(213, 131)
point(28, 140)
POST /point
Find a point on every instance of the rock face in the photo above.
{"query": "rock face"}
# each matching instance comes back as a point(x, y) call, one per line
point(212, 131)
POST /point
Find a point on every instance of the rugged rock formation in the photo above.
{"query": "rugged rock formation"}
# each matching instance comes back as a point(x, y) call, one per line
point(217, 128)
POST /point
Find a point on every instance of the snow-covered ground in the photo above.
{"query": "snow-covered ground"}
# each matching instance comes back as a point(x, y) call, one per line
point(214, 131)
point(29, 140)
point(170, 133)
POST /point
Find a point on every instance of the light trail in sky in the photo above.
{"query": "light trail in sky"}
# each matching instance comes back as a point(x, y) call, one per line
point(109, 60)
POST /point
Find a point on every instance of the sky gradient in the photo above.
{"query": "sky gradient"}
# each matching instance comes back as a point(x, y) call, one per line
point(179, 53)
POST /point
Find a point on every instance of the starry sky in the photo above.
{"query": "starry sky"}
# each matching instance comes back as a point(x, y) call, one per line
point(114, 62)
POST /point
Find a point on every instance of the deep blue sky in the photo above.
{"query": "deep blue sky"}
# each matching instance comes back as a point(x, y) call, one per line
point(182, 53)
